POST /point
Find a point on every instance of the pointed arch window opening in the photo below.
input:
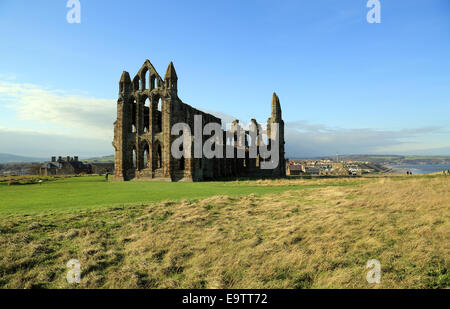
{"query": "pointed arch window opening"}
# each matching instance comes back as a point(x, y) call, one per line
point(158, 116)
point(133, 122)
point(159, 157)
point(182, 160)
point(134, 159)
point(147, 107)
point(146, 78)
point(146, 156)
point(153, 82)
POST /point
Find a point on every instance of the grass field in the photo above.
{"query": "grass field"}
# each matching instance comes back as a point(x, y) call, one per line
point(93, 192)
point(293, 233)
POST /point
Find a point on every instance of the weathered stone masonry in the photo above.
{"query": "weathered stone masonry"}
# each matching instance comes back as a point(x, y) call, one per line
point(147, 108)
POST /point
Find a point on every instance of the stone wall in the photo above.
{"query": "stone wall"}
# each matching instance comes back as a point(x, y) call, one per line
point(147, 108)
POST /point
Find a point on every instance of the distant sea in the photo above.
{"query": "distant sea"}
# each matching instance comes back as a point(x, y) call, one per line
point(423, 168)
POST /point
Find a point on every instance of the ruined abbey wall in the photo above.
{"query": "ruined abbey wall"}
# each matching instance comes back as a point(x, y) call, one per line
point(147, 108)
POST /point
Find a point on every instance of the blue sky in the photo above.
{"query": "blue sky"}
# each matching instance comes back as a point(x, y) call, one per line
point(345, 85)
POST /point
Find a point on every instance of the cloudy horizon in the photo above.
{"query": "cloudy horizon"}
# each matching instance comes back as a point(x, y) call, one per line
point(53, 122)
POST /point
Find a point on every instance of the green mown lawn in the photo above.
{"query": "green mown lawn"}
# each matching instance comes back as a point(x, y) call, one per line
point(93, 192)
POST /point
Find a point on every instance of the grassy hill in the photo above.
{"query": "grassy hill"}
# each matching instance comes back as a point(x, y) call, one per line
point(10, 158)
point(293, 233)
point(105, 159)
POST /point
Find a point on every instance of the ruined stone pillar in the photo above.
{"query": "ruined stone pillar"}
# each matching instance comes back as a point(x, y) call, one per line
point(167, 137)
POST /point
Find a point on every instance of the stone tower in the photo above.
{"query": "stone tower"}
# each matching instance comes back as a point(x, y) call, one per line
point(276, 117)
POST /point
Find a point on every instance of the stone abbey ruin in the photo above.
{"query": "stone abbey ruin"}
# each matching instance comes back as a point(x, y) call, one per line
point(148, 107)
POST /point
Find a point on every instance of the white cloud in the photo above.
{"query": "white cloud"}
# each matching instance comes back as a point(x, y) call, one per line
point(304, 139)
point(72, 114)
point(38, 144)
point(82, 125)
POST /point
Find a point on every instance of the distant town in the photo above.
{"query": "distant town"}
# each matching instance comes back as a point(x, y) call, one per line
point(59, 166)
point(344, 165)
point(328, 167)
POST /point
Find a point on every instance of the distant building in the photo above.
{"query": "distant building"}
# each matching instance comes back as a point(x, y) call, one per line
point(337, 165)
point(67, 166)
point(295, 169)
point(312, 170)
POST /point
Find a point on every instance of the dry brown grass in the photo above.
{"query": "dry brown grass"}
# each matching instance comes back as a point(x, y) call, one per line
point(310, 238)
point(29, 179)
point(296, 181)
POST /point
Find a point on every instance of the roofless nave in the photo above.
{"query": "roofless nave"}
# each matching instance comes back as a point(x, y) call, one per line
point(148, 107)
